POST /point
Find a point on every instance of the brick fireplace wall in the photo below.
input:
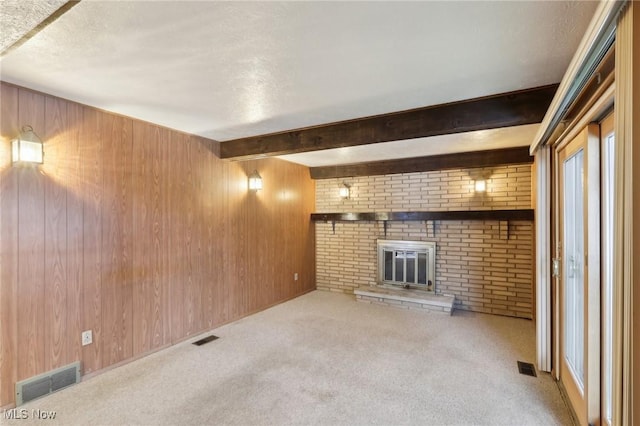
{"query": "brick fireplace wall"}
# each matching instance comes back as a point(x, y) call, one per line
point(486, 265)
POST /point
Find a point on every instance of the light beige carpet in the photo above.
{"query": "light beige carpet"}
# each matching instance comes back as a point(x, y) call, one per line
point(324, 358)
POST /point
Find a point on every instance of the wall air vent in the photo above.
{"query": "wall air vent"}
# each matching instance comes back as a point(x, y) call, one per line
point(46, 383)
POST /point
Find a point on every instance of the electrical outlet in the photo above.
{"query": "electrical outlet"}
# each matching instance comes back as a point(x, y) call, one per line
point(87, 338)
point(295, 276)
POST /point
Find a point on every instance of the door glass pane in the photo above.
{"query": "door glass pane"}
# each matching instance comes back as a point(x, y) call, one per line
point(388, 265)
point(422, 268)
point(573, 266)
point(399, 277)
point(411, 266)
point(607, 271)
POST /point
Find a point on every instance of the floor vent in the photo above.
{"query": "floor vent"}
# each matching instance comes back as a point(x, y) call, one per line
point(527, 369)
point(46, 383)
point(205, 340)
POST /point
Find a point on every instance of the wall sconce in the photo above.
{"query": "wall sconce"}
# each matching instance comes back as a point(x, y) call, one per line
point(28, 147)
point(345, 191)
point(255, 181)
point(481, 185)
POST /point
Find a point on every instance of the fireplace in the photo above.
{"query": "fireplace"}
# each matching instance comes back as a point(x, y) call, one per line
point(408, 264)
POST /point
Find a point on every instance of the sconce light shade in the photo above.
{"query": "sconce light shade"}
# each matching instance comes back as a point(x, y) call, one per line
point(345, 191)
point(481, 185)
point(28, 147)
point(255, 181)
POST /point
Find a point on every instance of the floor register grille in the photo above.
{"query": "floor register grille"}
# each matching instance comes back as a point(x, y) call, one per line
point(527, 369)
point(46, 383)
point(204, 340)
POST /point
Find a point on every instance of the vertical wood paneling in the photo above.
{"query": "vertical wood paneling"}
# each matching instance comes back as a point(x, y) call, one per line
point(286, 266)
point(148, 278)
point(165, 223)
point(157, 140)
point(215, 193)
point(220, 258)
point(55, 283)
point(91, 161)
point(117, 218)
point(136, 232)
point(177, 237)
point(201, 227)
point(9, 129)
point(143, 256)
point(31, 248)
point(231, 269)
point(208, 219)
point(254, 212)
point(188, 217)
point(258, 221)
point(195, 229)
point(276, 233)
point(209, 280)
point(283, 267)
point(75, 247)
point(200, 232)
point(236, 268)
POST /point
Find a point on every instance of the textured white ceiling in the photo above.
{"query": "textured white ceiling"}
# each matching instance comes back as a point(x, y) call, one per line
point(226, 70)
point(18, 17)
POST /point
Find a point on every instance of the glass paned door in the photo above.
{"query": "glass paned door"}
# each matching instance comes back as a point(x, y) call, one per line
point(578, 220)
point(573, 297)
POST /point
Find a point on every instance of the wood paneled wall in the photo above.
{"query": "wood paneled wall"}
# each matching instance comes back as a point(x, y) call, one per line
point(137, 232)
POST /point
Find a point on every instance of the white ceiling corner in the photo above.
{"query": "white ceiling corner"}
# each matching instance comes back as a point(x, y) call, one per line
point(19, 17)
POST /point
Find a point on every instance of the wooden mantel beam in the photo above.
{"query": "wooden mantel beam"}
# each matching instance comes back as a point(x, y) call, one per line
point(504, 110)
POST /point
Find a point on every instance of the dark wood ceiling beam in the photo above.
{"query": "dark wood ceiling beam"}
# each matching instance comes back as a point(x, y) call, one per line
point(490, 112)
point(463, 160)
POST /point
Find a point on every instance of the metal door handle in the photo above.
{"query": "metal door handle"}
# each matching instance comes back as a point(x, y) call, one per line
point(555, 265)
point(571, 267)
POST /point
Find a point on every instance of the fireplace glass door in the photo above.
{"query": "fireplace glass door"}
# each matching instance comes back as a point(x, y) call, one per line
point(401, 266)
point(407, 263)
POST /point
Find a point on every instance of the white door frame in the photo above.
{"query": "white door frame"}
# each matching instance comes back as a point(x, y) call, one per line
point(543, 259)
